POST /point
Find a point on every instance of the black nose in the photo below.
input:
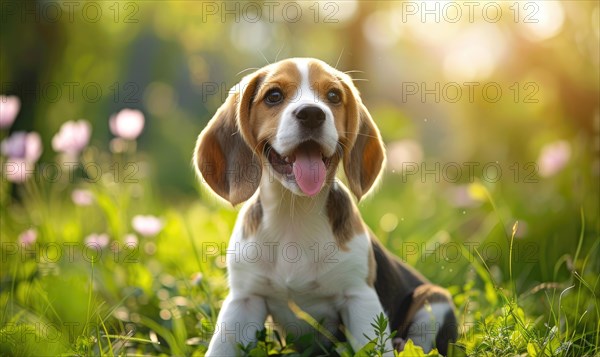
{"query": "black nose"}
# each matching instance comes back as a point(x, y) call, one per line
point(310, 116)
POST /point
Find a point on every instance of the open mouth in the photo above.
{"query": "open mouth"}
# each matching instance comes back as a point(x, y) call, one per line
point(306, 164)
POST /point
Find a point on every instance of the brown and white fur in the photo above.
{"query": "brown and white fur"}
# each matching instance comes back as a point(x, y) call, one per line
point(312, 250)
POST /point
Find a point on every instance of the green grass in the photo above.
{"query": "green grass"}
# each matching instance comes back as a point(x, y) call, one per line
point(520, 289)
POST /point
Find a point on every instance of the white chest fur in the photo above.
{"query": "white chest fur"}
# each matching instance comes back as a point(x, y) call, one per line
point(294, 258)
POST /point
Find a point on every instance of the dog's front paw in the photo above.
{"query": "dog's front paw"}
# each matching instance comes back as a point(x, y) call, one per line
point(223, 350)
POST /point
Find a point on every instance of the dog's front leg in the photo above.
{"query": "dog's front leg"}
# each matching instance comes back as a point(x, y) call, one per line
point(239, 320)
point(359, 312)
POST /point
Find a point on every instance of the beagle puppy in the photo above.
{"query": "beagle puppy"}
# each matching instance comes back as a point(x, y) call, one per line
point(299, 243)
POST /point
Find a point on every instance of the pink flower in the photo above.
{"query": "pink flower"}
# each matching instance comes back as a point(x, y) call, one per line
point(404, 153)
point(147, 226)
point(460, 196)
point(127, 124)
point(28, 237)
point(23, 150)
point(97, 240)
point(18, 170)
point(22, 145)
point(82, 197)
point(130, 240)
point(9, 108)
point(72, 137)
point(553, 158)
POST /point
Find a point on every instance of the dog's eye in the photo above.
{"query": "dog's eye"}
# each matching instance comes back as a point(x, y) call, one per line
point(333, 96)
point(274, 96)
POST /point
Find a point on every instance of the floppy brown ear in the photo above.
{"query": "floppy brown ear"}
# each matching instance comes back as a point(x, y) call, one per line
point(222, 156)
point(364, 162)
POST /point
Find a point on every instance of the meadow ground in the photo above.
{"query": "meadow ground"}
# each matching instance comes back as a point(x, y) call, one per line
point(106, 265)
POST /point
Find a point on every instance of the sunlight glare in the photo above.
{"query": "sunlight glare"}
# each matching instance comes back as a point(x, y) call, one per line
point(475, 53)
point(544, 21)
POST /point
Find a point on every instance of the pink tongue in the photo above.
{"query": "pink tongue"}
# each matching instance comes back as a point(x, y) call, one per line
point(309, 170)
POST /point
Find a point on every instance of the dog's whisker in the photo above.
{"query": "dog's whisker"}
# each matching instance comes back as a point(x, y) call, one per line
point(340, 151)
point(278, 52)
point(292, 207)
point(339, 58)
point(362, 134)
point(261, 142)
point(341, 145)
point(246, 70)
point(263, 56)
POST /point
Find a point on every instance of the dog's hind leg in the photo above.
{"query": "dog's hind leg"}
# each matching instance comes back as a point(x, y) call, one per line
point(432, 322)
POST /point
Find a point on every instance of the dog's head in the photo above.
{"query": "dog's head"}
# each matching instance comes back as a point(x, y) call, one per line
point(297, 118)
